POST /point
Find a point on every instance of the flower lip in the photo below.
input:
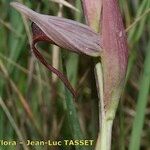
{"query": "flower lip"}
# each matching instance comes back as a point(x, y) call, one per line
point(38, 35)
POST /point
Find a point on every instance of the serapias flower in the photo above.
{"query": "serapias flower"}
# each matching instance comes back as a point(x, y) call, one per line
point(62, 32)
point(109, 44)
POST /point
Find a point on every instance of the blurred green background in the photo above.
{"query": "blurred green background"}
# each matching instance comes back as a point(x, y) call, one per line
point(35, 105)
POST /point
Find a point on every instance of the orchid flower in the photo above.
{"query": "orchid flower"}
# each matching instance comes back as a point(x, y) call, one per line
point(65, 33)
point(109, 45)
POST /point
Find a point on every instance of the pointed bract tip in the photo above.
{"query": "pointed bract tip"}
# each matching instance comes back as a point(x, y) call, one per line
point(22, 9)
point(16, 5)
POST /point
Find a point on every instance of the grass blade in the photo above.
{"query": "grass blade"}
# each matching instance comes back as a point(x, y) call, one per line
point(72, 114)
point(141, 105)
point(14, 125)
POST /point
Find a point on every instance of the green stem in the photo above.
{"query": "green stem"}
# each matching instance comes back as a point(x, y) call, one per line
point(106, 118)
point(104, 139)
point(105, 136)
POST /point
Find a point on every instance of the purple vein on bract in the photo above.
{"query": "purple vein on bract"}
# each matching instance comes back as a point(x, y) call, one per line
point(65, 33)
point(115, 53)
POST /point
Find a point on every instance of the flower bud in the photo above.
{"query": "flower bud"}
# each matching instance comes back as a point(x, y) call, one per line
point(115, 53)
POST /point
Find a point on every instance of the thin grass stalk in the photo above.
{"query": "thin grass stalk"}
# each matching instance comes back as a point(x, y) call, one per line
point(23, 101)
point(137, 31)
point(137, 25)
point(21, 68)
point(73, 59)
point(14, 125)
point(55, 64)
point(55, 51)
point(72, 114)
point(65, 3)
point(141, 104)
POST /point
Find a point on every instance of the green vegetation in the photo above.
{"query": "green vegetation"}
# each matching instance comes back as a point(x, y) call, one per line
point(33, 106)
